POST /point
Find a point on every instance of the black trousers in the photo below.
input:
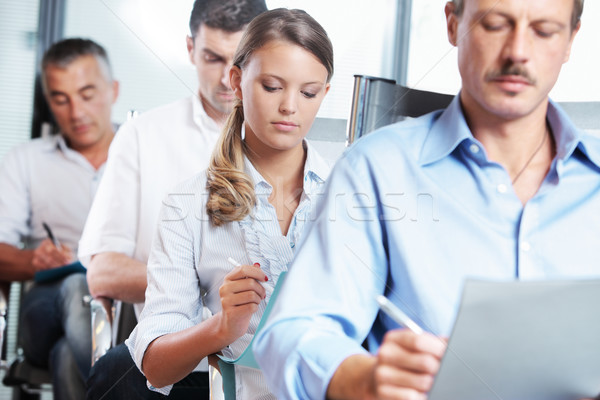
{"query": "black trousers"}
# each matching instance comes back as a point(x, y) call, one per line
point(116, 377)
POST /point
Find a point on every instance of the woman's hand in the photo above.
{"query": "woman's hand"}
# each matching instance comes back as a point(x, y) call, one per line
point(407, 364)
point(241, 293)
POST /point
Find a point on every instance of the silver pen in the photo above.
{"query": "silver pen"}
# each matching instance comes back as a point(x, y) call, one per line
point(398, 315)
point(268, 288)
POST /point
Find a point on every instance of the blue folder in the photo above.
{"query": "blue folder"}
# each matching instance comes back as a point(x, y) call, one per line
point(53, 274)
point(247, 357)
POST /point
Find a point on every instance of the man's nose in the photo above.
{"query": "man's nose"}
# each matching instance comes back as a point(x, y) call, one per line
point(518, 45)
point(225, 76)
point(77, 108)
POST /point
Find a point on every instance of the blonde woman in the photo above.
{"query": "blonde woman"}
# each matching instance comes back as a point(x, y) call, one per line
point(251, 205)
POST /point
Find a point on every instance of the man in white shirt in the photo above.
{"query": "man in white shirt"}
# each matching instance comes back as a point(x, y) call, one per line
point(148, 157)
point(52, 181)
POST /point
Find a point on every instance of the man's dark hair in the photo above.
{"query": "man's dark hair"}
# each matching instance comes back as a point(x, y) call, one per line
point(227, 15)
point(64, 52)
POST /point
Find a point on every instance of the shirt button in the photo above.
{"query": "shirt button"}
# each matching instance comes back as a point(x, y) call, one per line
point(474, 148)
point(501, 188)
point(525, 246)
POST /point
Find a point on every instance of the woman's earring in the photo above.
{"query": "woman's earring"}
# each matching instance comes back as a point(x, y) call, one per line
point(243, 131)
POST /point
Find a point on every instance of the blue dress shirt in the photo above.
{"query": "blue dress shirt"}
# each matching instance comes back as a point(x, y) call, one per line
point(411, 212)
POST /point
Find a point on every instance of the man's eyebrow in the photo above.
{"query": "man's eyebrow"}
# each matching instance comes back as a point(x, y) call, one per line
point(492, 12)
point(87, 87)
point(511, 18)
point(558, 24)
point(212, 53)
point(54, 93)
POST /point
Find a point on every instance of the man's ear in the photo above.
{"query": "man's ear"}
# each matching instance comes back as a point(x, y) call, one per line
point(115, 88)
point(451, 22)
point(573, 33)
point(190, 48)
point(235, 81)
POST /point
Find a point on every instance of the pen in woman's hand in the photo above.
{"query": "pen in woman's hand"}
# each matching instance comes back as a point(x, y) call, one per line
point(268, 288)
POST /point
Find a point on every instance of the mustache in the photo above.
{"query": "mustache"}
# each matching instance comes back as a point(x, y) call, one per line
point(511, 69)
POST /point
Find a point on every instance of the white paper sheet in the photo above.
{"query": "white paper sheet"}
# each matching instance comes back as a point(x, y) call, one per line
point(523, 341)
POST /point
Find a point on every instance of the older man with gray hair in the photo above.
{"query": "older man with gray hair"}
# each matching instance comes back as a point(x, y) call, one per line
point(46, 189)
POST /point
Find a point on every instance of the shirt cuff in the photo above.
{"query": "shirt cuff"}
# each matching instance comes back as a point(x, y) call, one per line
point(306, 356)
point(320, 357)
point(163, 390)
point(89, 247)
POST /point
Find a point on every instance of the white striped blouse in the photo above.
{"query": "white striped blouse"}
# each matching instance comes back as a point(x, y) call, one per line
point(188, 262)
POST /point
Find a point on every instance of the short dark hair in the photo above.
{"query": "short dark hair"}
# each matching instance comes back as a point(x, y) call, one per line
point(64, 52)
point(227, 15)
point(575, 17)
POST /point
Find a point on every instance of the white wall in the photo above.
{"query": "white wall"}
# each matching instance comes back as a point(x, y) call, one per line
point(145, 40)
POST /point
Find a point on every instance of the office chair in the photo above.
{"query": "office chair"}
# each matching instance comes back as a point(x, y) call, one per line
point(112, 322)
point(377, 102)
point(28, 381)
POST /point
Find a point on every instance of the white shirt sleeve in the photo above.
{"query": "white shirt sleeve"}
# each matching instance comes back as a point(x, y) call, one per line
point(173, 297)
point(112, 223)
point(15, 202)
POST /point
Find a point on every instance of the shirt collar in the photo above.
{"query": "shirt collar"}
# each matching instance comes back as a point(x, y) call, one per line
point(449, 129)
point(200, 116)
point(58, 143)
point(568, 138)
point(316, 170)
point(55, 143)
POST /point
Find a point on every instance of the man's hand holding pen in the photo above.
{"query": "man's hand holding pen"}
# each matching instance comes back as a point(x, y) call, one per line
point(50, 253)
point(407, 364)
point(47, 256)
point(407, 360)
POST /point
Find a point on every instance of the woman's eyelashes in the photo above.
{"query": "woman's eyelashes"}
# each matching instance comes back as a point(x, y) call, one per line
point(270, 88)
point(309, 94)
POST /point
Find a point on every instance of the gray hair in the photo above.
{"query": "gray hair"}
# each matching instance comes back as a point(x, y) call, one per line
point(64, 52)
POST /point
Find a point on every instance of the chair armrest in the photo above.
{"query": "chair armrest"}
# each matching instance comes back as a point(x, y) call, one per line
point(3, 310)
point(101, 310)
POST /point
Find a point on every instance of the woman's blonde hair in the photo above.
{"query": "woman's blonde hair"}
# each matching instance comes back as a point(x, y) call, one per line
point(231, 191)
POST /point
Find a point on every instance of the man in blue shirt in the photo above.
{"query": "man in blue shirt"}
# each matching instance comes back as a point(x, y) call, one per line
point(500, 185)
